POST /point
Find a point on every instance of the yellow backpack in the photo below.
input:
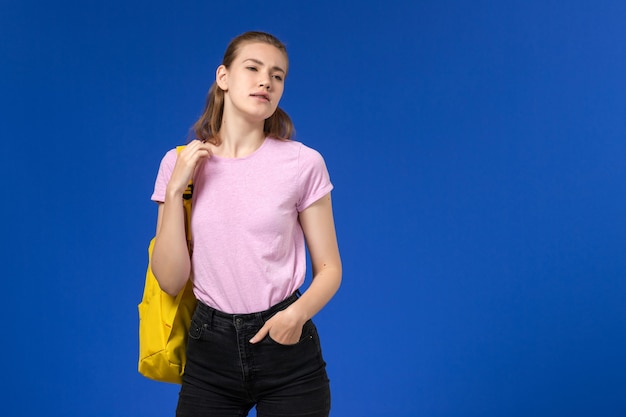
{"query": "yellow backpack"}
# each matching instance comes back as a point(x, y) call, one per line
point(164, 320)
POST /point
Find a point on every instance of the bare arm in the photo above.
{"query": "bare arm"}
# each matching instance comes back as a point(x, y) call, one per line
point(319, 229)
point(170, 257)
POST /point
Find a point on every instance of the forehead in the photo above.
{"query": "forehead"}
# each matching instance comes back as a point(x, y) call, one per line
point(264, 52)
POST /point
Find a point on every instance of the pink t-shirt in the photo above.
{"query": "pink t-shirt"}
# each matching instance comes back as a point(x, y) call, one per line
point(248, 246)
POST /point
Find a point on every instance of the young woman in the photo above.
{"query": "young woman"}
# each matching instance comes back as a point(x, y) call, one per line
point(257, 197)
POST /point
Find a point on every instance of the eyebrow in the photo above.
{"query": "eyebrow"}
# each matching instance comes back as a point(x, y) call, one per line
point(275, 68)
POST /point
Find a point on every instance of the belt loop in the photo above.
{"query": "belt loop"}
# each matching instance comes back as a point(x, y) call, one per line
point(211, 314)
point(259, 319)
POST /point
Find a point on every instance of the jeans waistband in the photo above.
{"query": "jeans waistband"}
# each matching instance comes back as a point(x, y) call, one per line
point(263, 315)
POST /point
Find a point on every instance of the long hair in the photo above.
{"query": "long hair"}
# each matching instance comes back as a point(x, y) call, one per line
point(207, 127)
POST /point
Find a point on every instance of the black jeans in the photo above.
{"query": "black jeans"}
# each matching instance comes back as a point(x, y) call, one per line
point(226, 375)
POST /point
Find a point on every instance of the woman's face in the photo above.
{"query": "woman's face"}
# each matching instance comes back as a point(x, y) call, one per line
point(254, 82)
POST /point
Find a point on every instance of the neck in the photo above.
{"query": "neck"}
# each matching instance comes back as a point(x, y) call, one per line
point(239, 139)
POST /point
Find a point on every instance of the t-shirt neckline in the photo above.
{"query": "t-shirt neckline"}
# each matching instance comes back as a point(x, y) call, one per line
point(243, 158)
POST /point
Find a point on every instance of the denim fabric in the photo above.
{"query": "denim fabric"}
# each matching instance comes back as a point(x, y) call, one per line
point(226, 375)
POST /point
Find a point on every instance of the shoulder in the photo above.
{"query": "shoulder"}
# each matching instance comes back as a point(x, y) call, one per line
point(167, 163)
point(168, 160)
point(309, 157)
point(170, 155)
point(296, 149)
point(165, 171)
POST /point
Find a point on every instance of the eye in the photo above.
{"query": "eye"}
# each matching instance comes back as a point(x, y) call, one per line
point(251, 68)
point(278, 77)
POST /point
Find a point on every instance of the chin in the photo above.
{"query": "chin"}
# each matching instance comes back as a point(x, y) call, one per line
point(264, 116)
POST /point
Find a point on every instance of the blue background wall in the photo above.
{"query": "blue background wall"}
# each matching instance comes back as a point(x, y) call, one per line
point(477, 150)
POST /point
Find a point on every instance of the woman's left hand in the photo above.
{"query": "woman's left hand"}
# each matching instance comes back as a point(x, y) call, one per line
point(285, 327)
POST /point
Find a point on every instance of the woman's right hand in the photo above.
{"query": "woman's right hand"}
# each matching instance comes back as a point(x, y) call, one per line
point(170, 257)
point(187, 162)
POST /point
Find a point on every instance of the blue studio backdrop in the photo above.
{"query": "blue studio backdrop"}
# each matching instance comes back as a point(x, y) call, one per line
point(477, 151)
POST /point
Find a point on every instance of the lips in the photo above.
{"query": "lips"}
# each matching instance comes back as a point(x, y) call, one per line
point(263, 96)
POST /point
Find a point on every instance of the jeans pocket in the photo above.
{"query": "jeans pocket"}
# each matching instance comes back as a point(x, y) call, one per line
point(308, 334)
point(290, 361)
point(195, 329)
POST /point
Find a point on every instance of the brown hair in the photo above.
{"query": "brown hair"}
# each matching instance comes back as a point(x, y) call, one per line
point(207, 127)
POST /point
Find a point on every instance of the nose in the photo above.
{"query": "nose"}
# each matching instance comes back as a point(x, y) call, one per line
point(265, 83)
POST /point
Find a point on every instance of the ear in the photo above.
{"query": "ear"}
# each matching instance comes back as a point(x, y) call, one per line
point(221, 77)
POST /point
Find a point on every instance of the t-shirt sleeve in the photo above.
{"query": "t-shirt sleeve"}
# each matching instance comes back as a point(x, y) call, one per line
point(163, 176)
point(314, 180)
